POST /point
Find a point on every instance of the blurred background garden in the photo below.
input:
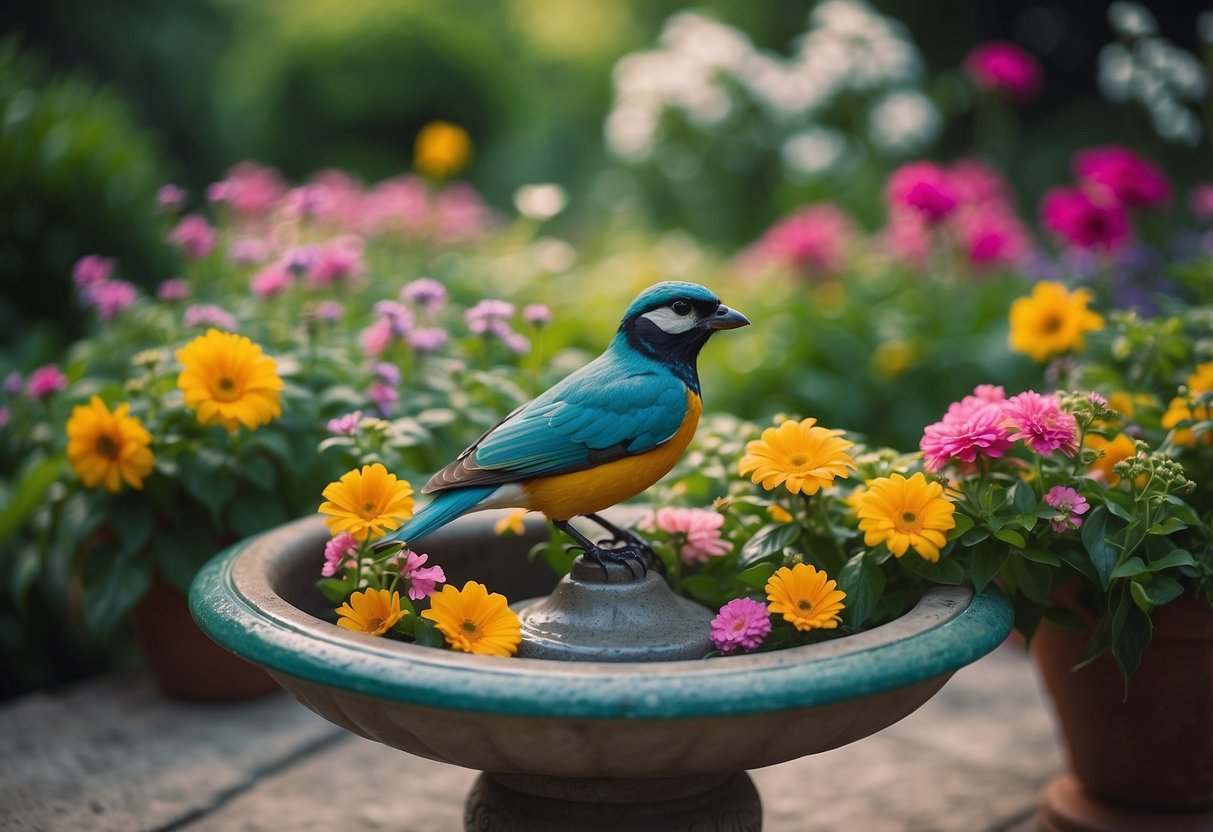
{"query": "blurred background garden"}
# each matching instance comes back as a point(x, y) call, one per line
point(426, 213)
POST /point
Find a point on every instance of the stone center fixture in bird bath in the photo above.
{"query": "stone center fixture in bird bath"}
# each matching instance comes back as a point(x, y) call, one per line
point(635, 733)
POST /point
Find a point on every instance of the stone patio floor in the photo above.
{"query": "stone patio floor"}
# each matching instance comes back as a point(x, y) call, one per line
point(112, 754)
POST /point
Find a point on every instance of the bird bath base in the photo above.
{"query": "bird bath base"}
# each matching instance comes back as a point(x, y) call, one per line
point(581, 745)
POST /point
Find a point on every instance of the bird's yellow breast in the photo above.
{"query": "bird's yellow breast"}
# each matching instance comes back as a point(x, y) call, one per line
point(564, 496)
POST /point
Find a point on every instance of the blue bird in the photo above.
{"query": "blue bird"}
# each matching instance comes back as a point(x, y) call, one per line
point(599, 437)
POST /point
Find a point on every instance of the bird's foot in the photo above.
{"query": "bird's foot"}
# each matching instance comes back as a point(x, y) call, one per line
point(622, 554)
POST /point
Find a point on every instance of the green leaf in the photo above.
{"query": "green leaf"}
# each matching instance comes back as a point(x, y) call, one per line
point(771, 542)
point(705, 590)
point(1174, 558)
point(963, 523)
point(1131, 567)
point(180, 556)
point(1024, 498)
point(863, 581)
point(1095, 538)
point(1040, 556)
point(260, 472)
point(757, 575)
point(1130, 640)
point(336, 590)
point(1168, 526)
point(1122, 505)
point(947, 571)
point(988, 560)
point(1155, 591)
point(1012, 537)
point(974, 536)
point(28, 494)
point(114, 580)
point(131, 519)
point(426, 634)
point(254, 512)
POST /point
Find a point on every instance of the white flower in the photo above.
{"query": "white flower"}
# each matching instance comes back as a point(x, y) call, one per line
point(813, 151)
point(540, 202)
point(904, 122)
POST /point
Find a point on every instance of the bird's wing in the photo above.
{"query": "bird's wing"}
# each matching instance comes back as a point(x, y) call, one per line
point(591, 418)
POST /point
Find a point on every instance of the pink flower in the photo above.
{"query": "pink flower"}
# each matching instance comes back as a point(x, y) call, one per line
point(423, 580)
point(45, 382)
point(1069, 503)
point(399, 317)
point(1122, 175)
point(249, 189)
point(376, 338)
point(111, 297)
point(1004, 68)
point(91, 270)
point(174, 289)
point(270, 281)
point(515, 342)
point(248, 250)
point(6, 416)
point(330, 311)
point(924, 187)
point(346, 425)
point(1084, 223)
point(339, 553)
point(428, 339)
point(340, 259)
point(741, 624)
point(426, 293)
point(699, 531)
point(993, 237)
point(485, 315)
point(308, 201)
point(908, 236)
point(170, 198)
point(384, 396)
point(971, 426)
point(1200, 200)
point(194, 235)
point(1041, 423)
point(208, 314)
point(537, 315)
point(461, 214)
point(814, 239)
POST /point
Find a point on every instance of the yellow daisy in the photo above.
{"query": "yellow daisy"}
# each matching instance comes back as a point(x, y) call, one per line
point(1111, 452)
point(805, 597)
point(474, 621)
point(367, 502)
point(442, 150)
point(108, 448)
point(513, 523)
point(227, 380)
point(1052, 321)
point(1180, 409)
point(905, 513)
point(800, 456)
point(374, 611)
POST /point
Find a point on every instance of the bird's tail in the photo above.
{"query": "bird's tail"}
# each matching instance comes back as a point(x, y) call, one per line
point(445, 507)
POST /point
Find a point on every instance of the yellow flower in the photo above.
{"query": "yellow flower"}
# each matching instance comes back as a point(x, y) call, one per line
point(805, 597)
point(107, 448)
point(1181, 410)
point(512, 523)
point(474, 621)
point(1126, 403)
point(798, 455)
point(1052, 321)
point(367, 503)
point(906, 513)
point(779, 514)
point(441, 150)
point(228, 381)
point(1111, 451)
point(374, 611)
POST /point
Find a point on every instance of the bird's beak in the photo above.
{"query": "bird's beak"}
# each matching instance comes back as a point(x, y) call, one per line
point(726, 318)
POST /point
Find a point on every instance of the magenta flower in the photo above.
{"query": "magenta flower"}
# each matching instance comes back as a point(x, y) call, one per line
point(1041, 423)
point(1069, 504)
point(45, 382)
point(170, 198)
point(339, 552)
point(426, 293)
point(174, 289)
point(1122, 175)
point(741, 624)
point(814, 239)
point(1084, 223)
point(970, 427)
point(423, 580)
point(111, 297)
point(346, 425)
point(1004, 68)
point(194, 235)
point(923, 187)
point(91, 270)
point(270, 281)
point(993, 237)
point(207, 315)
point(428, 339)
point(537, 315)
point(697, 529)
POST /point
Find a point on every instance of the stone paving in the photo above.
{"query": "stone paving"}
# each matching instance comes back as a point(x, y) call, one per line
point(111, 754)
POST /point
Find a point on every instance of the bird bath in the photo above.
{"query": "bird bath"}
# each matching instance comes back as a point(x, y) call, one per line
point(589, 745)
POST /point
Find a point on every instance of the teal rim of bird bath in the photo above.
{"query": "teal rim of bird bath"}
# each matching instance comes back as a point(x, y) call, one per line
point(233, 601)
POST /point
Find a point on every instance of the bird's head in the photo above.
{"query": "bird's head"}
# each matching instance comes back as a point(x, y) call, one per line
point(671, 321)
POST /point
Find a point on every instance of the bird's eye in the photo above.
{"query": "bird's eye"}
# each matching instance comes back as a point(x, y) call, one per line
point(681, 307)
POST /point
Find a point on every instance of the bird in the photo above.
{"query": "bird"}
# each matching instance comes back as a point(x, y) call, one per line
point(601, 436)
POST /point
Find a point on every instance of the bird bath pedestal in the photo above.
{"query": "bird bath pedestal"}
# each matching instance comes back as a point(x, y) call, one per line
point(609, 741)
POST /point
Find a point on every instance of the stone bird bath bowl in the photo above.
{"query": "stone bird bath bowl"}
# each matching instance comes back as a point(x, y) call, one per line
point(586, 745)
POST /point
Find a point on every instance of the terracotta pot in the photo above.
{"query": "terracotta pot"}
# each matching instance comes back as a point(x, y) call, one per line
point(1149, 751)
point(187, 664)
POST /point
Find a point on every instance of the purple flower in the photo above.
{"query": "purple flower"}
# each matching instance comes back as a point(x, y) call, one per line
point(426, 293)
point(298, 260)
point(399, 316)
point(346, 425)
point(207, 314)
point(194, 235)
point(741, 624)
point(170, 198)
point(339, 553)
point(175, 289)
point(388, 373)
point(537, 315)
point(1069, 504)
point(45, 382)
point(330, 311)
point(91, 270)
point(13, 383)
point(430, 339)
point(1041, 423)
point(383, 396)
point(482, 317)
point(422, 579)
point(111, 297)
point(515, 342)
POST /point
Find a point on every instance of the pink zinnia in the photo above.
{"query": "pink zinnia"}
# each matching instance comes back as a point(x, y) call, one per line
point(174, 289)
point(339, 553)
point(346, 425)
point(699, 531)
point(924, 187)
point(1070, 504)
point(194, 235)
point(423, 580)
point(45, 382)
point(91, 270)
point(111, 297)
point(270, 281)
point(1084, 223)
point(993, 237)
point(962, 436)
point(1005, 68)
point(741, 624)
point(813, 239)
point(1041, 423)
point(208, 314)
point(1131, 180)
